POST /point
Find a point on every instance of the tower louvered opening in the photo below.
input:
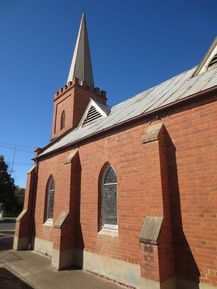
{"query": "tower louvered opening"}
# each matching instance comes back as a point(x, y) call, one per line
point(213, 62)
point(92, 115)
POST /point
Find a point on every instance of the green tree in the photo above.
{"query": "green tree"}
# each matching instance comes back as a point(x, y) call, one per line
point(19, 195)
point(7, 187)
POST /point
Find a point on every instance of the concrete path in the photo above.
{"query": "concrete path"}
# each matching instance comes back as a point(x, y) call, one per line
point(33, 270)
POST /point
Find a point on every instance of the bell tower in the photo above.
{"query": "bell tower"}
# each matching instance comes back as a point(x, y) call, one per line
point(71, 101)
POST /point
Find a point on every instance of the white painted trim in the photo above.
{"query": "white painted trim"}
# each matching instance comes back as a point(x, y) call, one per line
point(32, 168)
point(90, 104)
point(21, 215)
point(48, 222)
point(203, 66)
point(109, 231)
point(110, 227)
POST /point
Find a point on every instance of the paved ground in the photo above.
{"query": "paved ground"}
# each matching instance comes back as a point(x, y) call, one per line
point(7, 224)
point(30, 270)
point(6, 240)
point(27, 269)
point(7, 227)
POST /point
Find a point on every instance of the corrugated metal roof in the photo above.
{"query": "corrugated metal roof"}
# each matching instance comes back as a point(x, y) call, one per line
point(168, 92)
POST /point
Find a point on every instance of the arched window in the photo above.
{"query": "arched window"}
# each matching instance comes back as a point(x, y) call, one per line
point(109, 199)
point(63, 117)
point(50, 199)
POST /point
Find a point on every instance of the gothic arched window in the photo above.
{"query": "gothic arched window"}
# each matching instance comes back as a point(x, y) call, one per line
point(109, 199)
point(63, 118)
point(50, 199)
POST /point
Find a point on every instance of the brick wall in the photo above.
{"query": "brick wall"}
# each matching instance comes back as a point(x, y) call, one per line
point(24, 232)
point(192, 171)
point(65, 103)
point(191, 166)
point(73, 99)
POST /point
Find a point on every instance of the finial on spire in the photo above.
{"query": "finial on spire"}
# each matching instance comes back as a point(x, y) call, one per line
point(81, 66)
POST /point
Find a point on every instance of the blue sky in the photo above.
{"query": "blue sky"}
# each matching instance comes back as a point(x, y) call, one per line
point(134, 45)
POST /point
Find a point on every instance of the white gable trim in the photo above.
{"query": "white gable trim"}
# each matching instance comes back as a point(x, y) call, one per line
point(92, 103)
point(203, 66)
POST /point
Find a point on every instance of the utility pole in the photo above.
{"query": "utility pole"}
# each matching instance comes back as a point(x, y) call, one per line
point(12, 166)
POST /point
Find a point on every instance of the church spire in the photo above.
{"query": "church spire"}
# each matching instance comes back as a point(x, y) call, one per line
point(81, 67)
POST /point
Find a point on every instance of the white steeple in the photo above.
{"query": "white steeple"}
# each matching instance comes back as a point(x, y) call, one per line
point(81, 66)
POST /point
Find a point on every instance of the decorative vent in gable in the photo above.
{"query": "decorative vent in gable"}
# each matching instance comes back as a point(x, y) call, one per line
point(213, 62)
point(92, 115)
point(93, 112)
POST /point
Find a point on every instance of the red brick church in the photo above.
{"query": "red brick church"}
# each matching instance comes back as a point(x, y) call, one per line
point(129, 192)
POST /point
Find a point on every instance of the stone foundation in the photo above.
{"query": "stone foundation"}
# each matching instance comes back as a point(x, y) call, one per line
point(43, 246)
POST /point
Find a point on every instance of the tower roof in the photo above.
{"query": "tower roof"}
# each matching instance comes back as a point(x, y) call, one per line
point(81, 66)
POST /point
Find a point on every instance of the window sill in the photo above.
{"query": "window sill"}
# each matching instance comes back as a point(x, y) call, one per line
point(49, 223)
point(113, 232)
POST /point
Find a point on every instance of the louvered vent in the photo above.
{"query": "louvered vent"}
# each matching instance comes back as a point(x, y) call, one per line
point(92, 115)
point(213, 62)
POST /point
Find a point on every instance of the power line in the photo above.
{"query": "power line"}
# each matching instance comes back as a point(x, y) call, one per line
point(12, 148)
point(22, 164)
point(17, 145)
point(7, 147)
point(12, 166)
point(15, 148)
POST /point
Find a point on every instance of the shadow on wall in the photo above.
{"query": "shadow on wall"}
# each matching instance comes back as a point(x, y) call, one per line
point(31, 208)
point(75, 206)
point(186, 269)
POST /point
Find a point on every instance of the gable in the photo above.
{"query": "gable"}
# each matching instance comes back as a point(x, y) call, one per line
point(209, 60)
point(213, 62)
point(93, 112)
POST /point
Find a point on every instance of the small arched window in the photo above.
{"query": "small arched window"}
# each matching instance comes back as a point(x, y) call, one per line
point(109, 199)
point(50, 199)
point(63, 118)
